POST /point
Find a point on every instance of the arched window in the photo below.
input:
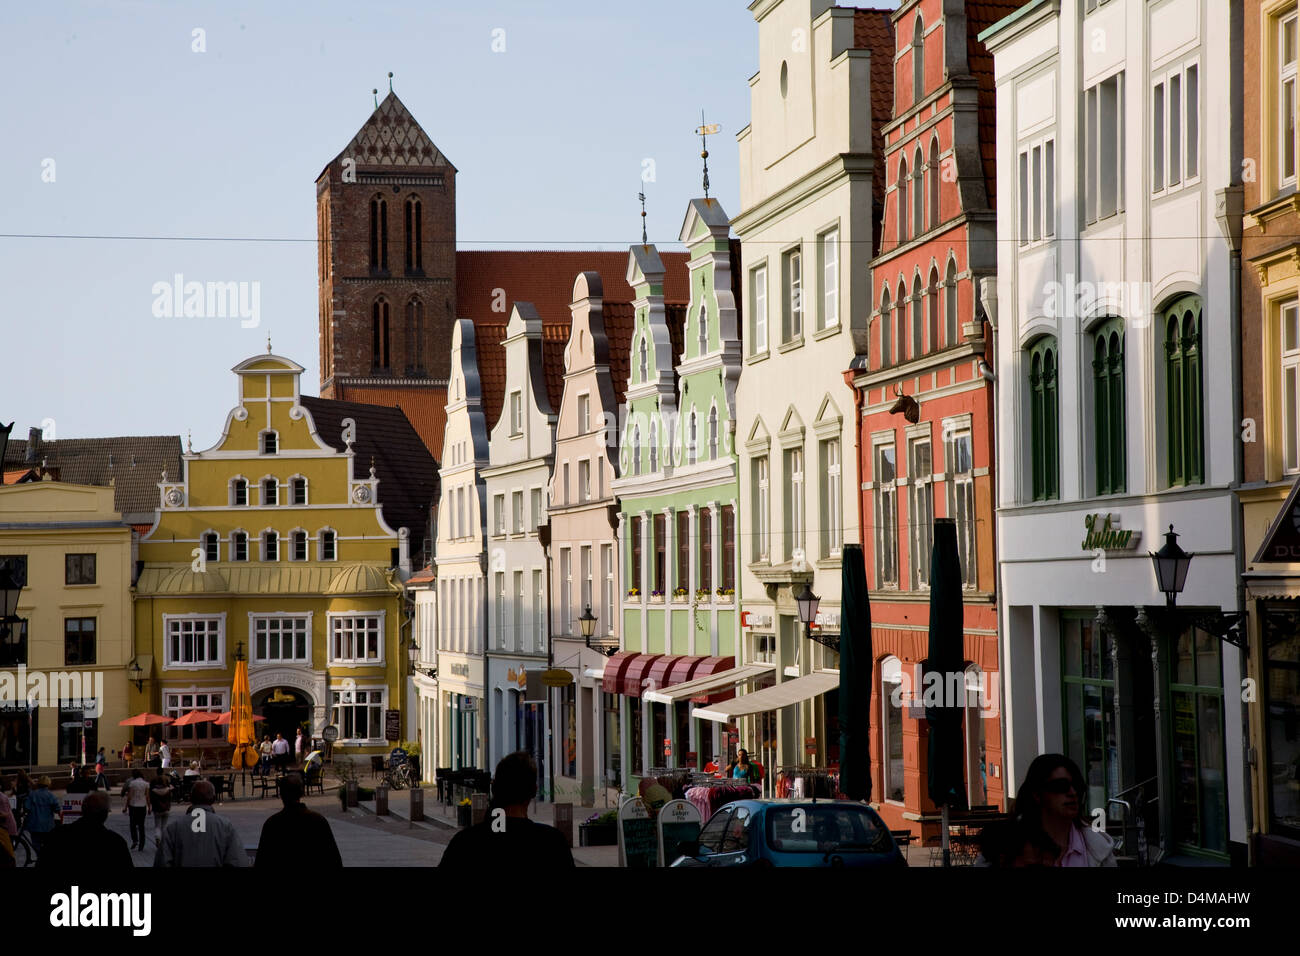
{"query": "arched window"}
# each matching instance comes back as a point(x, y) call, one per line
point(713, 433)
point(645, 361)
point(270, 491)
point(1108, 406)
point(654, 446)
point(1184, 399)
point(918, 319)
point(379, 234)
point(636, 449)
point(414, 236)
point(919, 173)
point(900, 322)
point(891, 729)
point(918, 60)
point(379, 330)
point(903, 206)
point(415, 334)
point(328, 545)
point(239, 546)
point(950, 305)
point(932, 310)
point(704, 329)
point(298, 546)
point(239, 492)
point(1043, 420)
point(298, 491)
point(692, 438)
point(886, 324)
point(934, 182)
point(211, 546)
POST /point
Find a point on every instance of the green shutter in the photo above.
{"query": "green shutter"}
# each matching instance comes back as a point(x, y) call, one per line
point(1108, 406)
point(1043, 419)
point(1184, 398)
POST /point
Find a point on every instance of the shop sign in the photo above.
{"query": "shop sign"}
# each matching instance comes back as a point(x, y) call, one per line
point(460, 670)
point(1105, 534)
point(330, 734)
point(810, 745)
point(518, 677)
point(678, 823)
point(668, 747)
point(557, 677)
point(1282, 542)
point(638, 848)
point(753, 619)
point(468, 705)
point(828, 619)
point(392, 725)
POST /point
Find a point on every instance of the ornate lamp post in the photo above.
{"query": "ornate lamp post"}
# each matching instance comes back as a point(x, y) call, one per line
point(1171, 563)
point(807, 603)
point(587, 621)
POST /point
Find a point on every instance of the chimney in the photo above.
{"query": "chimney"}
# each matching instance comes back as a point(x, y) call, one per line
point(33, 445)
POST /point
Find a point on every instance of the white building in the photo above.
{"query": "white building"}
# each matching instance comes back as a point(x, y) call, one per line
point(1115, 132)
point(520, 452)
point(422, 690)
point(460, 557)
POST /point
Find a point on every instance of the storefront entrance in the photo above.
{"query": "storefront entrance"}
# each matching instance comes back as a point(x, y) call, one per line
point(285, 710)
point(18, 734)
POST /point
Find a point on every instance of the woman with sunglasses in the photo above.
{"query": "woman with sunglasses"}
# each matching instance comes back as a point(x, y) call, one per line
point(1049, 826)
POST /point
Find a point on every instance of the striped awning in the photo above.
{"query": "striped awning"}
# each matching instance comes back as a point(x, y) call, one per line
point(719, 676)
point(772, 698)
point(635, 674)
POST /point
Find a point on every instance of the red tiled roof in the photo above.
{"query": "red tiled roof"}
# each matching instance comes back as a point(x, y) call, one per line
point(980, 15)
point(13, 477)
point(619, 320)
point(873, 30)
point(425, 408)
point(544, 278)
point(142, 529)
point(423, 576)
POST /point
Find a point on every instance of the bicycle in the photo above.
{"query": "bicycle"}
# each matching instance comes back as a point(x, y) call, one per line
point(398, 778)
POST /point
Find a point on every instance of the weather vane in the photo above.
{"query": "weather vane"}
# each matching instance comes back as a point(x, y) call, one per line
point(704, 132)
point(641, 196)
point(376, 92)
point(268, 343)
point(390, 81)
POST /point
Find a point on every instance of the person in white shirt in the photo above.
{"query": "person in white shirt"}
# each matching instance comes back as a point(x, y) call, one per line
point(136, 792)
point(165, 754)
point(280, 751)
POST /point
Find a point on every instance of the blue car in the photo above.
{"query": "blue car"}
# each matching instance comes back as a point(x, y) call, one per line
point(794, 833)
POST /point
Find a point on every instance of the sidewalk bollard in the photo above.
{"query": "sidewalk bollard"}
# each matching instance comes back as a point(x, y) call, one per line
point(478, 803)
point(381, 801)
point(563, 820)
point(417, 805)
point(352, 793)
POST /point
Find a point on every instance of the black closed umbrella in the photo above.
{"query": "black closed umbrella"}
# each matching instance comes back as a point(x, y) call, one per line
point(944, 684)
point(855, 677)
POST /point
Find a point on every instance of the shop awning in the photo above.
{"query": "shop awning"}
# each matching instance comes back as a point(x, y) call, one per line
point(772, 698)
point(656, 675)
point(626, 671)
point(1271, 586)
point(683, 669)
point(699, 687)
point(635, 674)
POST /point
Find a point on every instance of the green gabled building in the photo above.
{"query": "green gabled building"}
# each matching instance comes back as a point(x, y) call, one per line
point(678, 499)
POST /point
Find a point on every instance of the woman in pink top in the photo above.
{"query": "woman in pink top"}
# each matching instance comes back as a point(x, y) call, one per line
point(1051, 818)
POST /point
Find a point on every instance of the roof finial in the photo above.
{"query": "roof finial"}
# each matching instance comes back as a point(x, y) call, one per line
point(703, 132)
point(268, 343)
point(641, 196)
point(189, 442)
point(390, 81)
point(376, 92)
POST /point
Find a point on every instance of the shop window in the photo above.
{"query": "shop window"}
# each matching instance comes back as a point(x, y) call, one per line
point(1200, 784)
point(1280, 627)
point(13, 653)
point(19, 732)
point(891, 729)
point(1088, 699)
point(358, 714)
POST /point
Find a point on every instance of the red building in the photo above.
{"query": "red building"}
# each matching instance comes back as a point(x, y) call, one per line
point(926, 447)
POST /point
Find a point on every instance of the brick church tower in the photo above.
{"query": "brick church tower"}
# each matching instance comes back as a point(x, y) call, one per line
point(386, 225)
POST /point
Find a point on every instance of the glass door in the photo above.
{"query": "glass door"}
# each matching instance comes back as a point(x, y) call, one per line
point(1200, 802)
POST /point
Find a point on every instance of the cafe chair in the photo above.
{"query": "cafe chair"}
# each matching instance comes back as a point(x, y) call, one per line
point(314, 779)
point(377, 767)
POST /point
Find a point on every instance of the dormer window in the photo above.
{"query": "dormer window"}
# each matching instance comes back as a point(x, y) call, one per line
point(270, 491)
point(516, 413)
point(270, 443)
point(239, 492)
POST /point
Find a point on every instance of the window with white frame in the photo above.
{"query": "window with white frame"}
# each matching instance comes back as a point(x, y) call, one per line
point(828, 252)
point(539, 611)
point(831, 515)
point(328, 545)
point(1103, 141)
point(516, 413)
point(636, 457)
point(298, 546)
point(270, 443)
point(584, 480)
point(792, 296)
point(270, 546)
point(758, 297)
point(584, 414)
point(692, 439)
point(1175, 127)
point(904, 209)
point(282, 638)
point(645, 360)
point(499, 514)
point(960, 473)
point(358, 714)
point(586, 579)
point(517, 612)
point(356, 639)
point(517, 511)
point(238, 492)
point(195, 641)
point(885, 485)
point(499, 619)
point(794, 502)
point(921, 482)
point(654, 445)
point(607, 578)
point(1037, 173)
point(270, 491)
point(1290, 338)
point(1287, 141)
point(298, 491)
point(238, 546)
point(174, 705)
point(538, 517)
point(713, 433)
point(211, 546)
point(762, 509)
point(566, 589)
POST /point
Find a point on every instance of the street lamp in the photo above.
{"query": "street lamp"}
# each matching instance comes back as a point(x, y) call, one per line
point(1172, 564)
point(135, 674)
point(587, 621)
point(413, 652)
point(9, 590)
point(807, 602)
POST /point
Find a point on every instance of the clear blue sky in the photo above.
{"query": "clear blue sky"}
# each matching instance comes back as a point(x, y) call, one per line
point(150, 138)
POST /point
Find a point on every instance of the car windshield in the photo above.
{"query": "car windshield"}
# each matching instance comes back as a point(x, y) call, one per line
point(824, 830)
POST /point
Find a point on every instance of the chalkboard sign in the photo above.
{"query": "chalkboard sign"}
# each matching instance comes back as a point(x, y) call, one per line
point(392, 725)
point(637, 844)
point(330, 734)
point(678, 823)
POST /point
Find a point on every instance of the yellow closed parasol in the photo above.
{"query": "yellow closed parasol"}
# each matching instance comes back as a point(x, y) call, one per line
point(240, 729)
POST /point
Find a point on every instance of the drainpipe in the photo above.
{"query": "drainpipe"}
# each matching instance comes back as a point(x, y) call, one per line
point(1229, 209)
point(859, 399)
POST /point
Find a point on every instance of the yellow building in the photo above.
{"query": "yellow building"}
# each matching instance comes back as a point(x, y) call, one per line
point(273, 543)
point(63, 669)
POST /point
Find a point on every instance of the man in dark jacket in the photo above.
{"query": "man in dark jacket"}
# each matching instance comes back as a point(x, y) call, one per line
point(507, 838)
point(86, 844)
point(297, 837)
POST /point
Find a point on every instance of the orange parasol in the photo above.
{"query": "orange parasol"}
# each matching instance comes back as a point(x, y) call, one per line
point(144, 720)
point(240, 729)
point(195, 717)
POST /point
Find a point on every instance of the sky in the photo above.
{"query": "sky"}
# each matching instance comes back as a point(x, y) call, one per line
point(202, 127)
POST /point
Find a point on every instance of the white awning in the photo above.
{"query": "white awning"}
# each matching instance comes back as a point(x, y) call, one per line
point(703, 685)
point(592, 672)
point(771, 698)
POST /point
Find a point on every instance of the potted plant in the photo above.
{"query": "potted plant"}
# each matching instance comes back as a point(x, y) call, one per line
point(634, 594)
point(464, 813)
point(656, 596)
point(681, 594)
point(599, 829)
point(726, 595)
point(703, 596)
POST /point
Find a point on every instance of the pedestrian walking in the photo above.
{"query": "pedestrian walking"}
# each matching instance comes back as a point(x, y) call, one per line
point(136, 794)
point(43, 809)
point(101, 762)
point(151, 753)
point(164, 755)
point(8, 826)
point(264, 749)
point(160, 802)
point(200, 837)
point(297, 837)
point(280, 753)
point(509, 840)
point(128, 755)
point(86, 844)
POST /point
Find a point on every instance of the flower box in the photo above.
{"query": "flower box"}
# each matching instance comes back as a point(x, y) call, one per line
point(598, 834)
point(656, 599)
